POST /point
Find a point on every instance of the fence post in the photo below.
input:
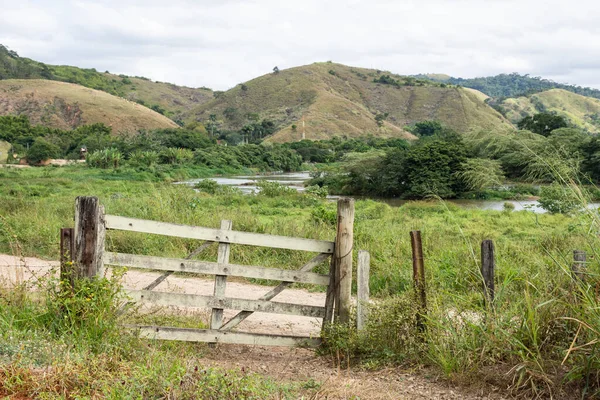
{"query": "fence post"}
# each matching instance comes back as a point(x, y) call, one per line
point(362, 277)
point(578, 267)
point(343, 258)
point(89, 235)
point(67, 244)
point(419, 275)
point(488, 266)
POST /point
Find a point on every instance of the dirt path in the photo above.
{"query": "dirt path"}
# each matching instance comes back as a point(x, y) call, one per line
point(281, 364)
point(301, 365)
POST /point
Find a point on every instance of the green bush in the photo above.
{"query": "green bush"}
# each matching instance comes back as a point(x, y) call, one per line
point(274, 189)
point(41, 150)
point(558, 199)
point(106, 158)
point(144, 158)
point(317, 191)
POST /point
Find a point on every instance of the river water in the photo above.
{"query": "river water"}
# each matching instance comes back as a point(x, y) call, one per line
point(247, 184)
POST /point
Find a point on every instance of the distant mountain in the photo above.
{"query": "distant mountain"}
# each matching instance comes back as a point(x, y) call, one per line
point(67, 106)
point(326, 100)
point(168, 99)
point(580, 111)
point(510, 85)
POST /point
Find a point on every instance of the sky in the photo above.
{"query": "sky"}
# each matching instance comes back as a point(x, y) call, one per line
point(219, 44)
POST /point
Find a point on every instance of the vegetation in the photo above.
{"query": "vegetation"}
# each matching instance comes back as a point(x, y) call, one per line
point(68, 106)
point(448, 165)
point(78, 339)
point(577, 110)
point(539, 337)
point(514, 85)
point(172, 100)
point(542, 123)
point(345, 105)
point(144, 151)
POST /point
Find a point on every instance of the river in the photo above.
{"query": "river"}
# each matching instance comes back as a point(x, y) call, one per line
point(247, 184)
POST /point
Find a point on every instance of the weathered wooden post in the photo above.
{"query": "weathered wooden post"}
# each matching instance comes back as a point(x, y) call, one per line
point(343, 258)
point(418, 268)
point(419, 276)
point(488, 266)
point(221, 280)
point(67, 250)
point(89, 235)
point(578, 268)
point(362, 277)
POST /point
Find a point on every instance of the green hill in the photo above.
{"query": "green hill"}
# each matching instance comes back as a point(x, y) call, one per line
point(337, 100)
point(166, 98)
point(67, 106)
point(581, 111)
point(510, 85)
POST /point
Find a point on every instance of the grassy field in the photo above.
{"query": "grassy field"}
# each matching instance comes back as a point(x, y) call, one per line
point(540, 336)
point(338, 100)
point(67, 106)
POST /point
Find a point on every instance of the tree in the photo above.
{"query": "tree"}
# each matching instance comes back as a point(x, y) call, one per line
point(542, 123)
point(380, 117)
point(431, 167)
point(427, 128)
point(41, 150)
point(276, 70)
point(212, 126)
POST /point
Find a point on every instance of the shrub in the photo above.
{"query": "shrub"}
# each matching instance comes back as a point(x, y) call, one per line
point(317, 191)
point(508, 207)
point(174, 155)
point(274, 189)
point(144, 158)
point(558, 199)
point(41, 150)
point(105, 158)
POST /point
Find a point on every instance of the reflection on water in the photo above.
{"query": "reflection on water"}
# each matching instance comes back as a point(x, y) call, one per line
point(247, 184)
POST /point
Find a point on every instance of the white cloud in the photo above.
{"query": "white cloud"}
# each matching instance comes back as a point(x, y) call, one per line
point(219, 44)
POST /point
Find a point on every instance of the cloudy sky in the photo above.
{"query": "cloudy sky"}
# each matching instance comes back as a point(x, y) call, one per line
point(222, 43)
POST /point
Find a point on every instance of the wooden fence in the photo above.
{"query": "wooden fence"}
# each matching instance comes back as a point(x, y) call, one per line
point(85, 246)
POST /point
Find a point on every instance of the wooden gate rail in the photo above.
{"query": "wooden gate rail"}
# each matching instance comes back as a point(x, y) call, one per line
point(213, 268)
point(218, 235)
point(90, 257)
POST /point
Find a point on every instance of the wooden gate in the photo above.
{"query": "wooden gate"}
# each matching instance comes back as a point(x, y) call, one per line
point(90, 258)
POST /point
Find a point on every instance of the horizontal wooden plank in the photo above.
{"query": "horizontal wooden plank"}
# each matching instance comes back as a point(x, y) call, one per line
point(213, 268)
point(192, 300)
point(218, 235)
point(242, 315)
point(215, 336)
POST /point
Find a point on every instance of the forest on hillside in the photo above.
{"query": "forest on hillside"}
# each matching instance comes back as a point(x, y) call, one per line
point(515, 85)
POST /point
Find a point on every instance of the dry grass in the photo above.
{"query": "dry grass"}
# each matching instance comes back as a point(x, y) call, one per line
point(66, 106)
point(171, 97)
point(337, 100)
point(576, 108)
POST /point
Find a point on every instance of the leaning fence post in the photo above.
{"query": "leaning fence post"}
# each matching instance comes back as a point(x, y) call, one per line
point(578, 267)
point(488, 266)
point(343, 258)
point(419, 275)
point(89, 235)
point(362, 277)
